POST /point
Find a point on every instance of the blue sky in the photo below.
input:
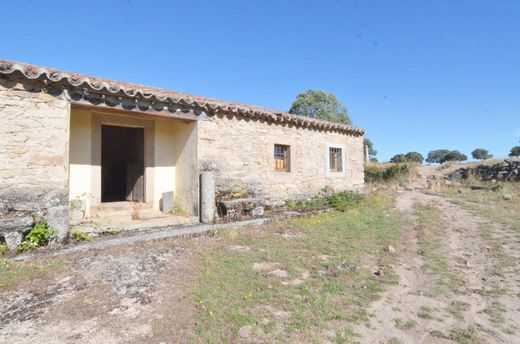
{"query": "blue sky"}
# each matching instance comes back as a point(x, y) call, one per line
point(418, 75)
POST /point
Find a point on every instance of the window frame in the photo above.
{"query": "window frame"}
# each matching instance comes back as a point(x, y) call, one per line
point(335, 158)
point(284, 156)
point(331, 173)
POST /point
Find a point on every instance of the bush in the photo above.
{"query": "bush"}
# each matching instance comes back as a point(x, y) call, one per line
point(39, 235)
point(386, 172)
point(81, 236)
point(3, 249)
point(339, 201)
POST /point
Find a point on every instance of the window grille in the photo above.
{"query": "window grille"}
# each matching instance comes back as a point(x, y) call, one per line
point(335, 159)
point(282, 158)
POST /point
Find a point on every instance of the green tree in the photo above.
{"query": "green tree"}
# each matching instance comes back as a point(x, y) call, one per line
point(437, 156)
point(481, 154)
point(321, 105)
point(454, 156)
point(371, 151)
point(515, 151)
point(398, 158)
point(414, 157)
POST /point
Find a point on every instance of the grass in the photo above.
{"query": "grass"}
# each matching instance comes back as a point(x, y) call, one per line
point(408, 325)
point(430, 236)
point(12, 273)
point(231, 294)
point(425, 312)
point(458, 335)
point(457, 308)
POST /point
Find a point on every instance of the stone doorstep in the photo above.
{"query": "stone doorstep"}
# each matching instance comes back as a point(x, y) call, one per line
point(105, 227)
point(169, 232)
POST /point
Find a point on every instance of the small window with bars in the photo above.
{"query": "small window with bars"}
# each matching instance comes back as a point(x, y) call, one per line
point(282, 158)
point(335, 159)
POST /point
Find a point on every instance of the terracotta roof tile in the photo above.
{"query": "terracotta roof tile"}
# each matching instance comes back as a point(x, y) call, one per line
point(33, 72)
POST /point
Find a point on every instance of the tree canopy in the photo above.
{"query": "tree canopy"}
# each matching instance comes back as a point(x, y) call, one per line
point(414, 157)
point(481, 154)
point(443, 155)
point(408, 157)
point(398, 158)
point(371, 151)
point(320, 105)
point(515, 151)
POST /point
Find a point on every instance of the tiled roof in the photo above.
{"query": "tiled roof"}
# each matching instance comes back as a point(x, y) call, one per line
point(209, 105)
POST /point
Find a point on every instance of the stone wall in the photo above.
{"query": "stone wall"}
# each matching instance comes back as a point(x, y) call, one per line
point(508, 170)
point(34, 134)
point(241, 151)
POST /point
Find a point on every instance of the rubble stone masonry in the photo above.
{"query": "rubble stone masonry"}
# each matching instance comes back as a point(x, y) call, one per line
point(34, 136)
point(241, 150)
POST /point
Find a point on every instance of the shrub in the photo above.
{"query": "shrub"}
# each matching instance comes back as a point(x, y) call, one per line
point(386, 172)
point(3, 249)
point(339, 201)
point(81, 236)
point(39, 235)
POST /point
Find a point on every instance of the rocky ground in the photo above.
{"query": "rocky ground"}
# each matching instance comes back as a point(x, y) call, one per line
point(457, 283)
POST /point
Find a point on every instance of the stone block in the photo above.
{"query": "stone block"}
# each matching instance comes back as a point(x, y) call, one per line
point(58, 218)
point(168, 202)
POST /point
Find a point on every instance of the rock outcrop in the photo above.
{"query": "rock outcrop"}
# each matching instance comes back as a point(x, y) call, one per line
point(508, 170)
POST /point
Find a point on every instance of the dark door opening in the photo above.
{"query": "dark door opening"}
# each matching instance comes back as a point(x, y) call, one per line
point(122, 164)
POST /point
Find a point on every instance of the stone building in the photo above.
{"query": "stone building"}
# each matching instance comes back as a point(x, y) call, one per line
point(68, 139)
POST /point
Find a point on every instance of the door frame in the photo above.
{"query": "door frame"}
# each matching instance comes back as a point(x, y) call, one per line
point(98, 120)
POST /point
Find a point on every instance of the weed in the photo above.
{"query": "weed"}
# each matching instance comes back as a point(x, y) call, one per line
point(3, 249)
point(425, 312)
point(39, 235)
point(457, 308)
point(317, 304)
point(430, 235)
point(81, 236)
point(408, 325)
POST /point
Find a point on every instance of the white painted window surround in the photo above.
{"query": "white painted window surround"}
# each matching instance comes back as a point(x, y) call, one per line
point(328, 172)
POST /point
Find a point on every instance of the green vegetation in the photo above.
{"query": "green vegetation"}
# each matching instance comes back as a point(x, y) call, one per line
point(430, 235)
point(408, 325)
point(81, 236)
point(425, 312)
point(12, 273)
point(297, 288)
point(441, 156)
point(379, 173)
point(3, 249)
point(370, 147)
point(339, 201)
point(414, 157)
point(320, 105)
point(481, 154)
point(39, 235)
point(515, 151)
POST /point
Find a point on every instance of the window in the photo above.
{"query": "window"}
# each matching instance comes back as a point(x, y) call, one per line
point(335, 159)
point(282, 158)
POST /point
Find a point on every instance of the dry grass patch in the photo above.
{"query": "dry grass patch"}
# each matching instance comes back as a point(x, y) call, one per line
point(240, 298)
point(430, 236)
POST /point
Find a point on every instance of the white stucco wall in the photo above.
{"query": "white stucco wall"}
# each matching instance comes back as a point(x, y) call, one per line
point(80, 170)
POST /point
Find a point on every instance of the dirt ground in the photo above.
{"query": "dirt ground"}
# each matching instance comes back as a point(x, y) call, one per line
point(142, 293)
point(488, 302)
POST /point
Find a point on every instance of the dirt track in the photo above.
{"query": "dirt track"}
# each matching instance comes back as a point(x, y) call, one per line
point(489, 302)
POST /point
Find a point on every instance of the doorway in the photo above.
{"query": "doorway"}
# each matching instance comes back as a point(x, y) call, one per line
point(122, 164)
